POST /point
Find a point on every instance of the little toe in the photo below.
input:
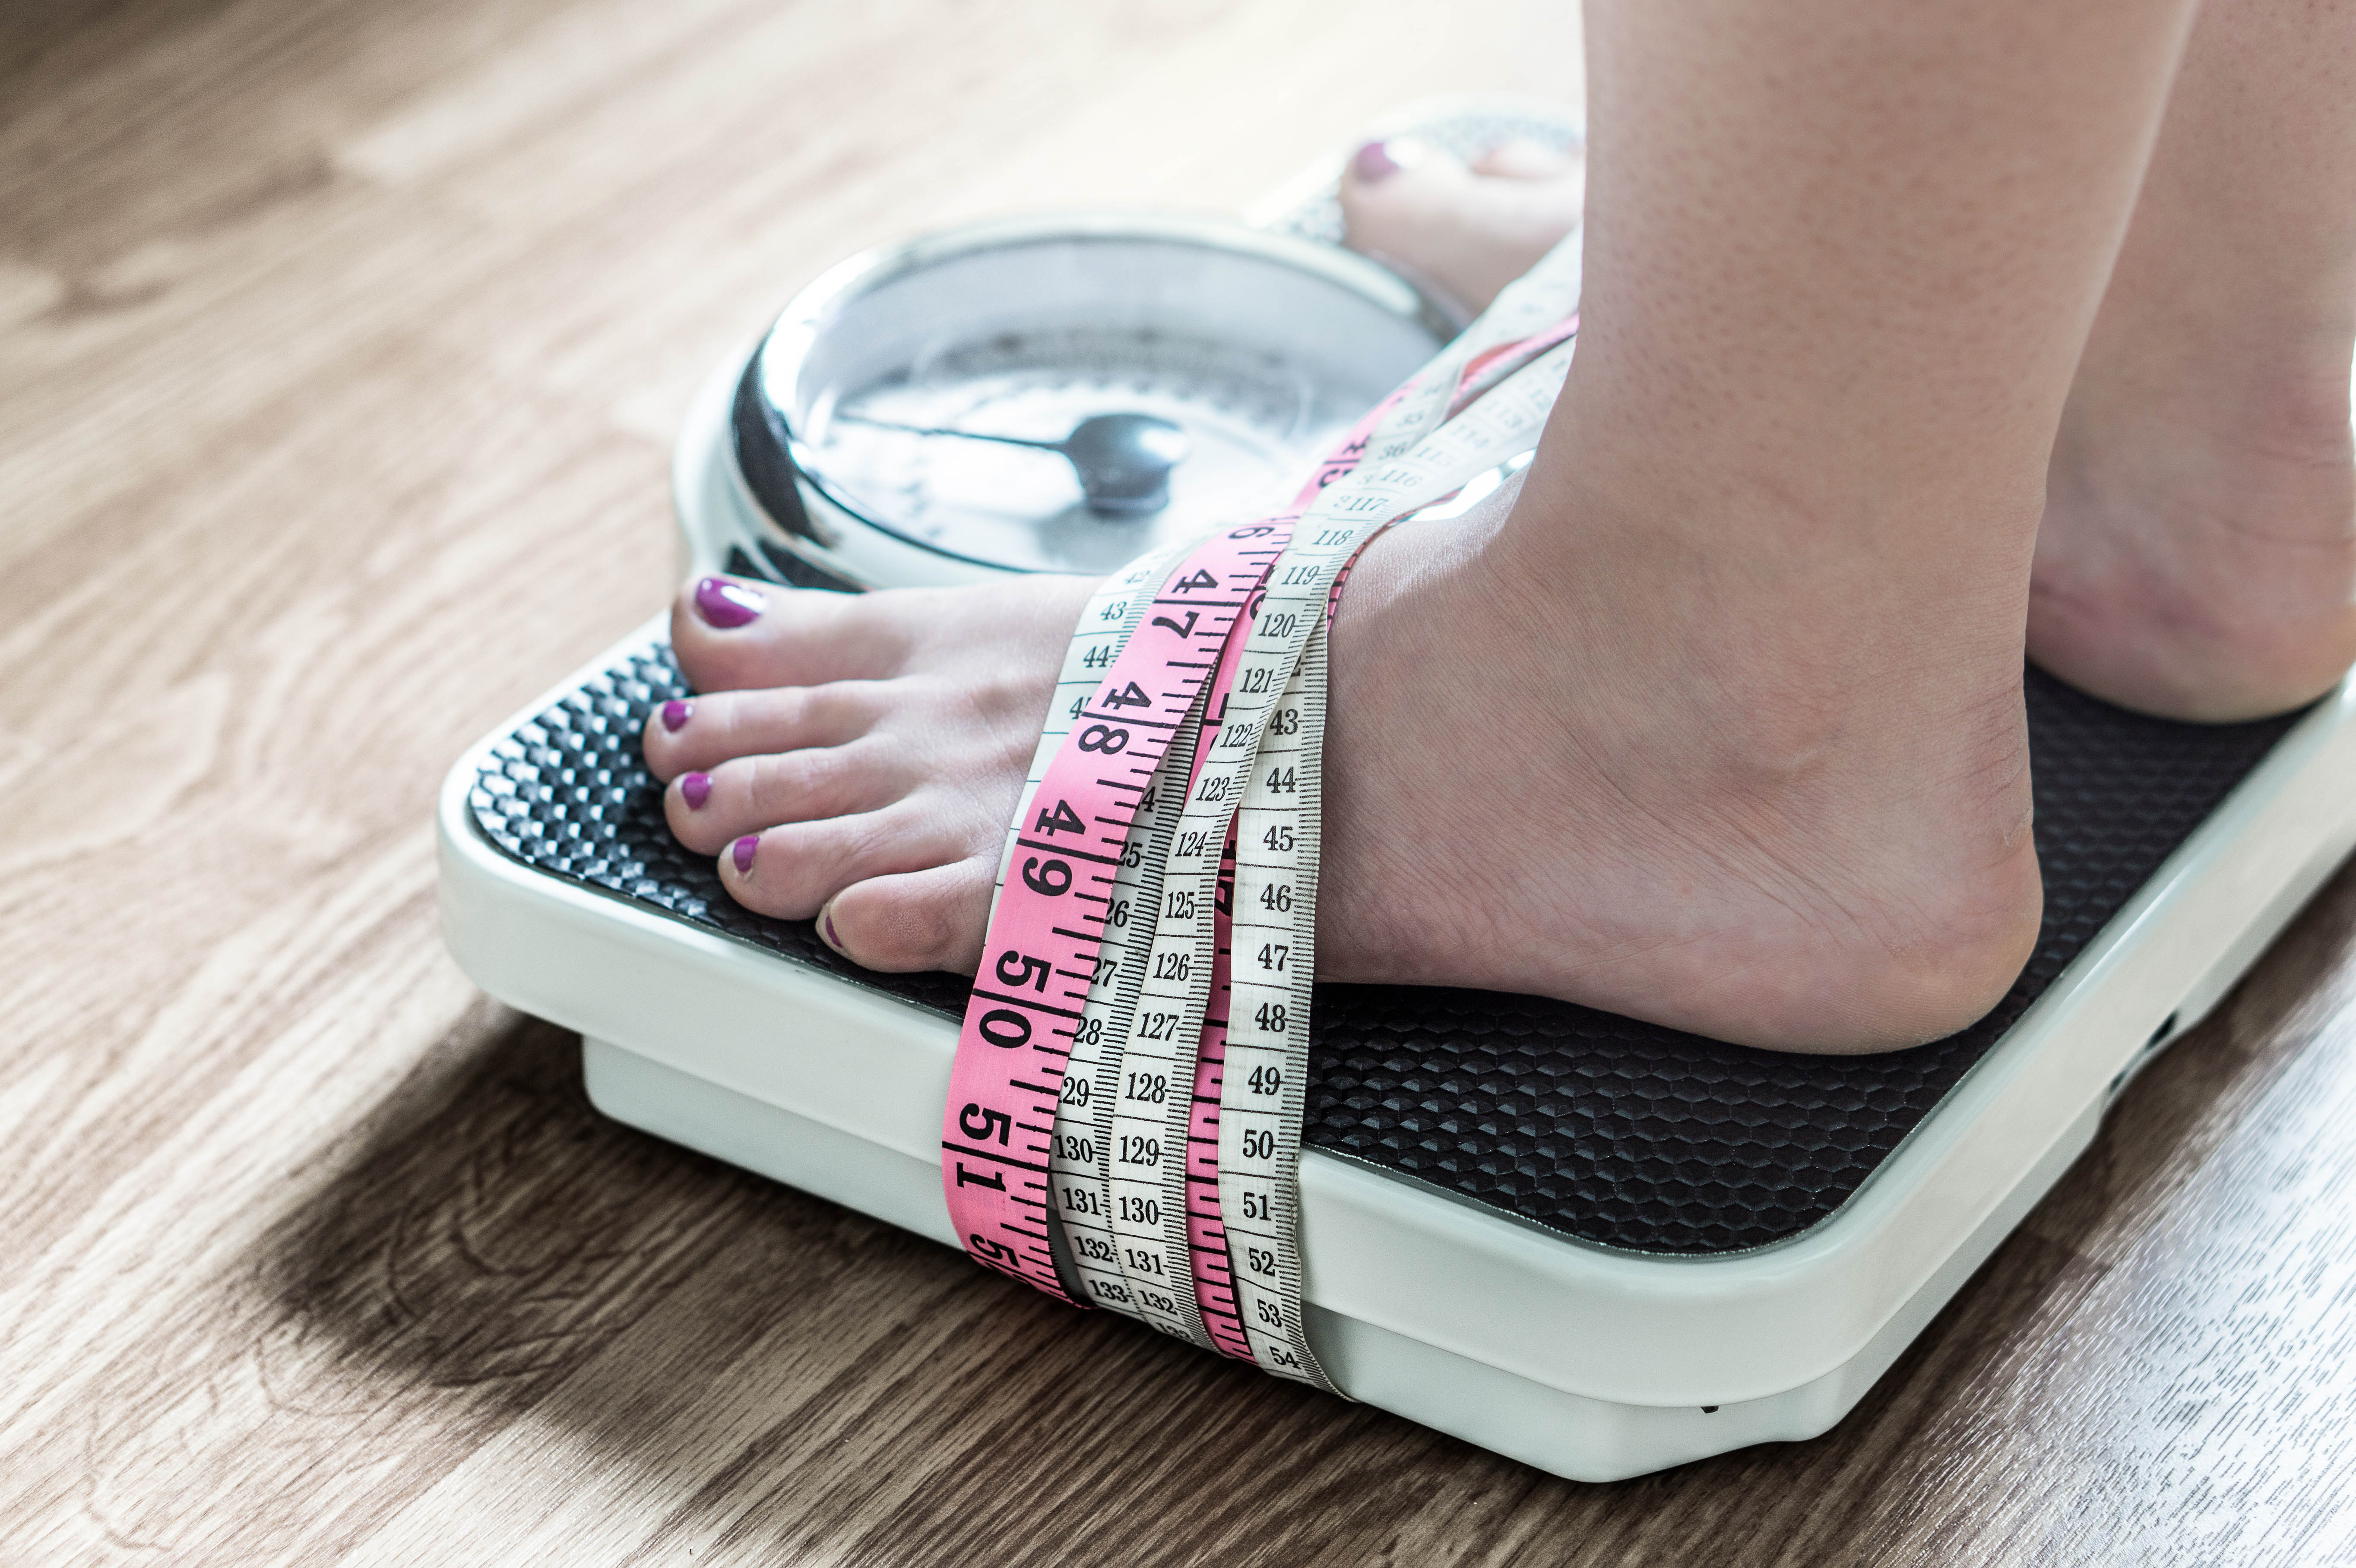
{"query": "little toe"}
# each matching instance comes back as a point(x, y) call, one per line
point(709, 811)
point(791, 870)
point(932, 919)
point(732, 635)
point(700, 735)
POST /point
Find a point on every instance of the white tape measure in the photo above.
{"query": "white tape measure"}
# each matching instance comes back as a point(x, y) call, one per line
point(1129, 1089)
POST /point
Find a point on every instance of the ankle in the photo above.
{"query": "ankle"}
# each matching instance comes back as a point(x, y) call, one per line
point(2197, 555)
point(2264, 398)
point(1791, 609)
point(1880, 788)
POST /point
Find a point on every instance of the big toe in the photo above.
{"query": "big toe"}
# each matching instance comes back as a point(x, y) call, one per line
point(1468, 230)
point(730, 634)
point(1522, 158)
point(932, 919)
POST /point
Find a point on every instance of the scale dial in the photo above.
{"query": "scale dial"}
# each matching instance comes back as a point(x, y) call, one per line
point(1262, 349)
point(1247, 414)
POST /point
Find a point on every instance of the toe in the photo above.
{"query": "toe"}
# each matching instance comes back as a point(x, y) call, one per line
point(931, 918)
point(791, 870)
point(1467, 231)
point(732, 635)
point(700, 735)
point(711, 810)
point(1520, 158)
point(1383, 175)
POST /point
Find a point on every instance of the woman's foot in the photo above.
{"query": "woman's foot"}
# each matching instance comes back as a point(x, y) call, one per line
point(2197, 555)
point(1535, 782)
point(1467, 229)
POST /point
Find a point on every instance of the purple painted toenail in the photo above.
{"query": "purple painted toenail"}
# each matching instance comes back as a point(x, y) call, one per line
point(726, 604)
point(697, 788)
point(1373, 163)
point(676, 714)
point(832, 939)
point(743, 851)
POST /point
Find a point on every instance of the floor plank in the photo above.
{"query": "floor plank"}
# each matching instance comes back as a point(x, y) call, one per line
point(340, 344)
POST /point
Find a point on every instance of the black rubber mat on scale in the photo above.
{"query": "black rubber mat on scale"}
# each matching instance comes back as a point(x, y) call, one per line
point(1604, 1128)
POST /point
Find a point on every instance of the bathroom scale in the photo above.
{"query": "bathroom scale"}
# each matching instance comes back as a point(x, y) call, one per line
point(1596, 1245)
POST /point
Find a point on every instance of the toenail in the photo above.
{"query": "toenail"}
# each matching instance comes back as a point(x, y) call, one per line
point(826, 929)
point(1373, 162)
point(676, 714)
point(697, 788)
point(742, 851)
point(725, 604)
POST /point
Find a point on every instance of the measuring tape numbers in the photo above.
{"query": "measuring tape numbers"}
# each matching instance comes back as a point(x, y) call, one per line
point(1130, 1076)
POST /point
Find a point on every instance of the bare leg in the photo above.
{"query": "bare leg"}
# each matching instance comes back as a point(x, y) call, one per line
point(1718, 721)
point(2198, 557)
point(2199, 552)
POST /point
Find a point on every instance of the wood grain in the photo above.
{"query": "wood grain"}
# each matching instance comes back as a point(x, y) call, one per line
point(340, 344)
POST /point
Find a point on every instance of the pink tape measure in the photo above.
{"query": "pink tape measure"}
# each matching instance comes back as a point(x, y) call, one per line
point(1123, 1124)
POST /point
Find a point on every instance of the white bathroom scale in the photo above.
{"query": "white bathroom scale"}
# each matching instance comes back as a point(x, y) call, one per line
point(1596, 1245)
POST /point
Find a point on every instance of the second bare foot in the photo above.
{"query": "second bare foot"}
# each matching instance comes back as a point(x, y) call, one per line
point(1467, 228)
point(2198, 556)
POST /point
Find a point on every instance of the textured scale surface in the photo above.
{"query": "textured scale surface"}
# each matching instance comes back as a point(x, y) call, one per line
point(1616, 1132)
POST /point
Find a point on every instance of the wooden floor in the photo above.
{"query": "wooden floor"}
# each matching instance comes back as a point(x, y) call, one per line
point(341, 345)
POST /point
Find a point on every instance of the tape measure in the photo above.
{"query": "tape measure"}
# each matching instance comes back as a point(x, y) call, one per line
point(1123, 1124)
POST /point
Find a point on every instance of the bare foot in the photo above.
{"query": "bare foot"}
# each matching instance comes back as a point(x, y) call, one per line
point(2199, 543)
point(2198, 553)
point(2198, 556)
point(1673, 827)
point(1469, 229)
